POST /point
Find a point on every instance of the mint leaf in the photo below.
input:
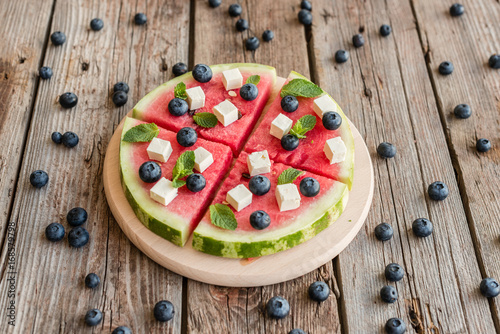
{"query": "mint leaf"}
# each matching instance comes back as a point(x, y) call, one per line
point(180, 91)
point(178, 183)
point(183, 167)
point(141, 133)
point(222, 216)
point(289, 175)
point(205, 119)
point(303, 124)
point(301, 87)
point(253, 79)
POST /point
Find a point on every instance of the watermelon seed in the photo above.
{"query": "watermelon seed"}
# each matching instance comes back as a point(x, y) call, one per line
point(191, 112)
point(245, 175)
point(239, 115)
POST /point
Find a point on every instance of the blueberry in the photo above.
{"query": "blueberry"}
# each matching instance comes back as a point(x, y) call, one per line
point(278, 307)
point(214, 3)
point(55, 232)
point(394, 272)
point(319, 291)
point(195, 182)
point(92, 280)
point(179, 69)
point(187, 137)
point(438, 191)
point(309, 187)
point(494, 61)
point(395, 326)
point(252, 43)
point(489, 287)
point(268, 35)
point(58, 38)
point(76, 216)
point(249, 92)
point(457, 9)
point(68, 100)
point(45, 73)
point(122, 330)
point(386, 150)
point(150, 172)
point(389, 294)
point(140, 19)
point(422, 227)
point(39, 178)
point(304, 4)
point(296, 331)
point(202, 73)
point(305, 17)
point(121, 87)
point(234, 10)
point(56, 137)
point(358, 40)
point(331, 120)
point(483, 145)
point(446, 68)
point(259, 185)
point(78, 237)
point(289, 103)
point(341, 56)
point(384, 232)
point(93, 317)
point(164, 311)
point(289, 142)
point(178, 107)
point(241, 25)
point(462, 111)
point(260, 220)
point(96, 24)
point(120, 98)
point(385, 30)
point(70, 139)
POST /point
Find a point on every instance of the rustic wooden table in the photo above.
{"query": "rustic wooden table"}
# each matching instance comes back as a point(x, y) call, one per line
point(390, 89)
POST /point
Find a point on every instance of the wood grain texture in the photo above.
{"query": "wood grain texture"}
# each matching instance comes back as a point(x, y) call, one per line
point(385, 89)
point(50, 294)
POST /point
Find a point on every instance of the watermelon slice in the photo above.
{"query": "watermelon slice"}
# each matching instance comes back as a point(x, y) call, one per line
point(154, 106)
point(176, 221)
point(309, 155)
point(287, 229)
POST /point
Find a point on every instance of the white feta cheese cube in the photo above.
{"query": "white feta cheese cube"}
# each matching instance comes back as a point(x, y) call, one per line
point(280, 126)
point(288, 196)
point(258, 163)
point(226, 112)
point(202, 159)
point(163, 192)
point(239, 197)
point(159, 150)
point(195, 98)
point(335, 150)
point(323, 104)
point(232, 79)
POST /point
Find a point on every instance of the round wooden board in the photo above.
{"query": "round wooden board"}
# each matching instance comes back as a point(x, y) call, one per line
point(265, 270)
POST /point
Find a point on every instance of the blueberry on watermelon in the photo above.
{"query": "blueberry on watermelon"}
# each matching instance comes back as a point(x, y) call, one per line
point(278, 307)
point(187, 137)
point(196, 182)
point(395, 326)
point(39, 178)
point(331, 120)
point(150, 172)
point(259, 185)
point(54, 232)
point(319, 291)
point(289, 103)
point(202, 73)
point(178, 107)
point(309, 187)
point(394, 272)
point(289, 142)
point(438, 191)
point(260, 220)
point(179, 69)
point(384, 232)
point(249, 92)
point(164, 311)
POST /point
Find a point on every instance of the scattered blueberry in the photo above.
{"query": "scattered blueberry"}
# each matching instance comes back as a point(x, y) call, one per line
point(120, 98)
point(78, 237)
point(438, 191)
point(358, 40)
point(234, 10)
point(195, 182)
point(214, 3)
point(389, 294)
point(289, 142)
point(260, 220)
point(494, 61)
point(121, 87)
point(296, 331)
point(304, 4)
point(68, 100)
point(241, 25)
point(446, 68)
point(268, 35)
point(58, 38)
point(56, 137)
point(305, 17)
point(384, 232)
point(93, 317)
point(70, 139)
point(178, 107)
point(309, 187)
point(289, 103)
point(249, 92)
point(39, 178)
point(76, 216)
point(54, 232)
point(394, 272)
point(457, 9)
point(422, 227)
point(341, 56)
point(462, 111)
point(331, 120)
point(179, 69)
point(45, 73)
point(202, 73)
point(96, 24)
point(395, 326)
point(483, 145)
point(385, 30)
point(150, 172)
point(259, 185)
point(187, 137)
point(489, 287)
point(140, 19)
point(164, 311)
point(278, 307)
point(386, 150)
point(252, 43)
point(122, 330)
point(92, 280)
point(319, 291)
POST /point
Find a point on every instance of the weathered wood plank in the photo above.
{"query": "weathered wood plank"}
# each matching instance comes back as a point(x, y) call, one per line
point(386, 91)
point(50, 294)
